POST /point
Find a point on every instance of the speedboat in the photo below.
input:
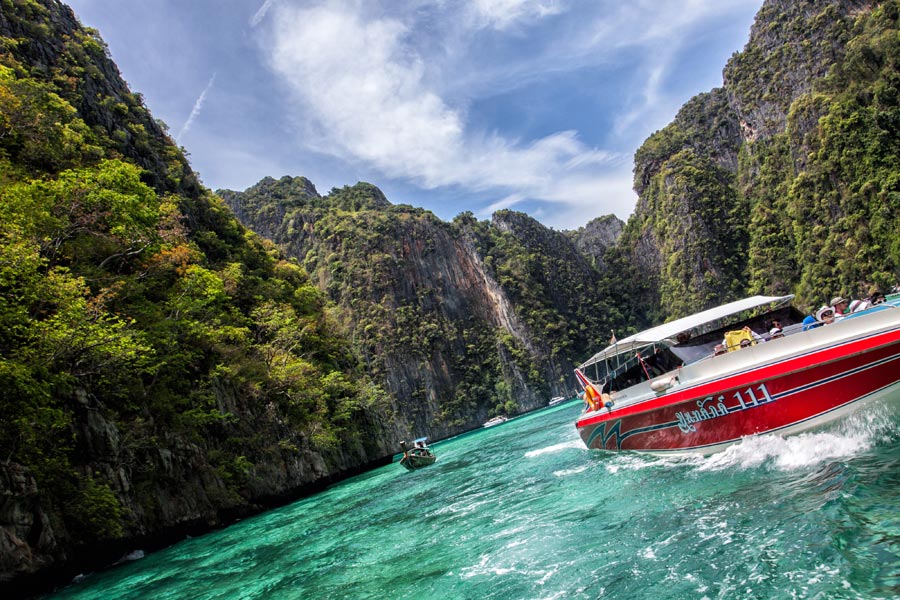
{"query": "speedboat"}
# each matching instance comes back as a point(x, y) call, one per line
point(420, 455)
point(677, 389)
point(556, 400)
point(495, 421)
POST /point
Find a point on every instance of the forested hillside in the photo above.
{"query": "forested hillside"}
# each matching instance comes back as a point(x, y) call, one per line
point(459, 321)
point(163, 369)
point(785, 180)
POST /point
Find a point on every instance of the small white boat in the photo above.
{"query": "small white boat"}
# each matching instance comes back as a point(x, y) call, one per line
point(495, 421)
point(556, 400)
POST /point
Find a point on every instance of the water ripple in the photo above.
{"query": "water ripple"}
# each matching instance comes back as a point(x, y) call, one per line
point(524, 511)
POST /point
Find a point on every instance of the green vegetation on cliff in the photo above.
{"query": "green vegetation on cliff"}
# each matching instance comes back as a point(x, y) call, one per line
point(459, 320)
point(785, 180)
point(158, 362)
point(825, 190)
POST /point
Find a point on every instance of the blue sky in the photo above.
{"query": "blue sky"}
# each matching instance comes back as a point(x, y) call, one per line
point(451, 105)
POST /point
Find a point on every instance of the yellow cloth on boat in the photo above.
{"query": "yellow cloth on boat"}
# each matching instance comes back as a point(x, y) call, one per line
point(733, 339)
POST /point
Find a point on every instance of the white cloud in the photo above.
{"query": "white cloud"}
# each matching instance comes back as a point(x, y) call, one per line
point(500, 14)
point(507, 202)
point(367, 88)
point(391, 90)
point(575, 202)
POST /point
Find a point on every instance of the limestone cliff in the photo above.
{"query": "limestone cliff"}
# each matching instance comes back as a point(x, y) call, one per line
point(448, 316)
point(594, 239)
point(155, 390)
point(762, 186)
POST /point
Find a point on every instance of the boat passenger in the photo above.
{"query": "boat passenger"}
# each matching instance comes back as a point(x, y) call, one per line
point(775, 329)
point(875, 298)
point(734, 340)
point(810, 322)
point(839, 306)
point(719, 349)
point(825, 315)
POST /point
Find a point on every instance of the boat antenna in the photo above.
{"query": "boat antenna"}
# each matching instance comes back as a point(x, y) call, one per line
point(615, 344)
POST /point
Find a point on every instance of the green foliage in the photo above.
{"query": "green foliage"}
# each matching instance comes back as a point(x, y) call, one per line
point(138, 318)
point(38, 128)
point(812, 207)
point(95, 215)
point(834, 214)
point(95, 512)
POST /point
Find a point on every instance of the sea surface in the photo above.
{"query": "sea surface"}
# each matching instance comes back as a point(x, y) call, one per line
point(523, 511)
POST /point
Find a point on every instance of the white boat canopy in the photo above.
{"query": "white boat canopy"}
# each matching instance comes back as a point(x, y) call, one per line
point(673, 328)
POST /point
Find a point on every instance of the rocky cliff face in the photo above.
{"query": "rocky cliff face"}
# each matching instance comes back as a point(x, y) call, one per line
point(726, 190)
point(790, 167)
point(686, 236)
point(793, 44)
point(594, 239)
point(433, 307)
point(166, 486)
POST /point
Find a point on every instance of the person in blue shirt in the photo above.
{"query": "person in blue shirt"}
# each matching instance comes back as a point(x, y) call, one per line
point(824, 316)
point(809, 322)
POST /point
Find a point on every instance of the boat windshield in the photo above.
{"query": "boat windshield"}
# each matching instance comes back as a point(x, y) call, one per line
point(625, 370)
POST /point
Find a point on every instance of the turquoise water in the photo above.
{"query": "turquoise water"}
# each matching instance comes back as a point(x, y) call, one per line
point(523, 510)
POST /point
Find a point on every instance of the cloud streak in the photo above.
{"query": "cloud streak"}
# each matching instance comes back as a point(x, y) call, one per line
point(195, 111)
point(501, 14)
point(260, 14)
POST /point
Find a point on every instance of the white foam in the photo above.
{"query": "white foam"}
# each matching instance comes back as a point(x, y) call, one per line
point(568, 472)
point(554, 448)
point(633, 462)
point(852, 436)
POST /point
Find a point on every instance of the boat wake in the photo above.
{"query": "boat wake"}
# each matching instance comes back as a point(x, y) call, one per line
point(568, 472)
point(555, 448)
point(853, 436)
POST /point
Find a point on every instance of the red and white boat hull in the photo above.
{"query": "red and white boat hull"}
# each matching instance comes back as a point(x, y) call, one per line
point(783, 386)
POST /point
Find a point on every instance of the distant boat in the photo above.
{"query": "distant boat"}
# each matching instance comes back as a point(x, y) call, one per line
point(420, 455)
point(556, 400)
point(496, 421)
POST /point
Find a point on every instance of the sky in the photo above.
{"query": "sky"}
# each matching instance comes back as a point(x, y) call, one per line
point(450, 105)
